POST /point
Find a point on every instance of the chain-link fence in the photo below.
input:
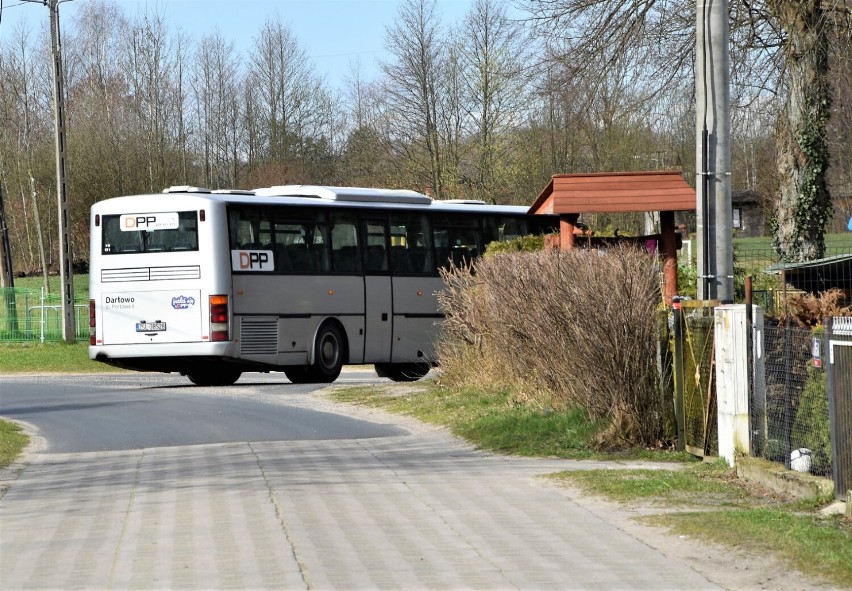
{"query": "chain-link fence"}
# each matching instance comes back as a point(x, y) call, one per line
point(694, 378)
point(32, 315)
point(774, 283)
point(789, 410)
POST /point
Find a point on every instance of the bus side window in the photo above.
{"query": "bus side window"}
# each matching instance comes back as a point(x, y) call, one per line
point(442, 246)
point(458, 240)
point(316, 238)
point(401, 260)
point(375, 241)
point(282, 259)
point(300, 258)
point(344, 243)
point(245, 229)
point(411, 245)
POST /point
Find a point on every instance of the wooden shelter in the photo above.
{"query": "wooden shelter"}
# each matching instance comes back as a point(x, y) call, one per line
point(666, 192)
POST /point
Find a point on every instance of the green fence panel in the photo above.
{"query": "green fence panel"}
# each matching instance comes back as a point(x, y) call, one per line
point(28, 315)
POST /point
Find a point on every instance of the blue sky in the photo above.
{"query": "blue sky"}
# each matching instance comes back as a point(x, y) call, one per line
point(334, 32)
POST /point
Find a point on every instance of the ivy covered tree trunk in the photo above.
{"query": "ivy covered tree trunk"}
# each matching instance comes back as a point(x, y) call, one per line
point(804, 205)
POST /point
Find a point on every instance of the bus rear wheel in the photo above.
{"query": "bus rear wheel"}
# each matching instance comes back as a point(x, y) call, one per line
point(298, 375)
point(402, 372)
point(214, 377)
point(329, 353)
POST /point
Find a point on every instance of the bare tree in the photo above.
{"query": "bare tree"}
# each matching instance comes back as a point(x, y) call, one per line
point(216, 84)
point(152, 63)
point(494, 56)
point(290, 115)
point(416, 46)
point(778, 46)
point(26, 134)
point(452, 112)
point(100, 135)
point(367, 158)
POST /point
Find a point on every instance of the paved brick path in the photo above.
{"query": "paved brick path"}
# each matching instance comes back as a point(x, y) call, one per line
point(411, 512)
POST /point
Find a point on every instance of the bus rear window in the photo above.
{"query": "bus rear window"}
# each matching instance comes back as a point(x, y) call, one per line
point(150, 232)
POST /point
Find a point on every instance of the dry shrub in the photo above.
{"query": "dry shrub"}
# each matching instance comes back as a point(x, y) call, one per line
point(566, 329)
point(806, 309)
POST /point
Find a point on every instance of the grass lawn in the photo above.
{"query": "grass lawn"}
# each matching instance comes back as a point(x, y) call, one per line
point(832, 241)
point(12, 442)
point(36, 282)
point(48, 358)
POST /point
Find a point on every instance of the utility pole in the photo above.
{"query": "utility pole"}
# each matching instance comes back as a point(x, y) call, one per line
point(7, 278)
point(66, 271)
point(713, 152)
point(39, 235)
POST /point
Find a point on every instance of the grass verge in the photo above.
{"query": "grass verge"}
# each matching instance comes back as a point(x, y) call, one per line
point(489, 421)
point(819, 547)
point(703, 501)
point(48, 358)
point(493, 421)
point(12, 442)
point(714, 506)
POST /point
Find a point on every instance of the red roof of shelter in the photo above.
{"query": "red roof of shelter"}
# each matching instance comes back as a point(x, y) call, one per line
point(615, 192)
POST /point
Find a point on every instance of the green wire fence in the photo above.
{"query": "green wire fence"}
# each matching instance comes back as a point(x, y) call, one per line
point(31, 315)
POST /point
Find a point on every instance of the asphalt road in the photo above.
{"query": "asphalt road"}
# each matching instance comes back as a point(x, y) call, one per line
point(111, 412)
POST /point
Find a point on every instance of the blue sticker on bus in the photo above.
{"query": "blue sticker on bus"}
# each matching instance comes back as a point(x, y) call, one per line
point(183, 302)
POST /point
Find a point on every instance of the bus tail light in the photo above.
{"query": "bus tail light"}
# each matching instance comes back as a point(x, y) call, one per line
point(92, 322)
point(219, 318)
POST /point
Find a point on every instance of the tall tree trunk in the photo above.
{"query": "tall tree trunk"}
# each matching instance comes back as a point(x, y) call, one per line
point(804, 205)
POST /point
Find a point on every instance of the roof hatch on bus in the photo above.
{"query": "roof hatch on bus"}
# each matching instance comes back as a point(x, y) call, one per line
point(360, 194)
point(464, 201)
point(185, 189)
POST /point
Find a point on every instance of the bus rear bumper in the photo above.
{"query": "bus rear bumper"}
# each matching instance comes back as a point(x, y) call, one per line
point(167, 357)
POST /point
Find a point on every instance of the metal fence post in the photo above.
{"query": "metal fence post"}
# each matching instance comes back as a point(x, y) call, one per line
point(29, 322)
point(680, 411)
point(788, 394)
point(749, 319)
point(42, 316)
point(839, 390)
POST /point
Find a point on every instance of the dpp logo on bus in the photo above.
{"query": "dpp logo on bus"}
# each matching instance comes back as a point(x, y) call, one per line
point(150, 222)
point(252, 260)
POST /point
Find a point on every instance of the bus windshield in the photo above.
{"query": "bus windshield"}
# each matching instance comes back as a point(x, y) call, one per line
point(150, 232)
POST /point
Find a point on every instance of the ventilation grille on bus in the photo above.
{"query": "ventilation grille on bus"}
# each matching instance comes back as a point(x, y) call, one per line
point(259, 336)
point(150, 274)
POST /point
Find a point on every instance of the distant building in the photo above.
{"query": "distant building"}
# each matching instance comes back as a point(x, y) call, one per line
point(748, 218)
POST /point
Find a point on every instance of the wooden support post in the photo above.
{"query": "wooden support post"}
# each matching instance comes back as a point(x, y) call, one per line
point(668, 247)
point(567, 223)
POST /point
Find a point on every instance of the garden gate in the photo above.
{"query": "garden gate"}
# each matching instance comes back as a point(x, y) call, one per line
point(839, 386)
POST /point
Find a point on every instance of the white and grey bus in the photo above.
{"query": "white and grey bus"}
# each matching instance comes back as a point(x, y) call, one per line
point(300, 279)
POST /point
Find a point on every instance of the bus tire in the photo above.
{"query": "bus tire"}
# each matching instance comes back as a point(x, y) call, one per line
point(329, 354)
point(402, 372)
point(214, 377)
point(298, 374)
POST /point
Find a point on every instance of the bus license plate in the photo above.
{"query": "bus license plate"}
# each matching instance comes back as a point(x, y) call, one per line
point(150, 326)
